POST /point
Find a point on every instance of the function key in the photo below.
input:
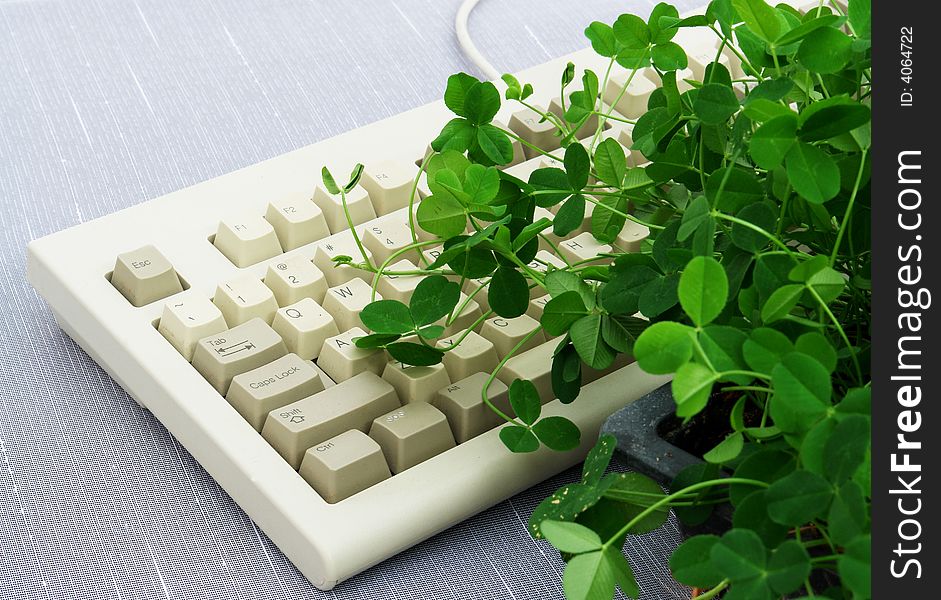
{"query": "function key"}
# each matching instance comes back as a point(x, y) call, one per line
point(144, 276)
point(297, 221)
point(357, 203)
point(246, 241)
point(389, 184)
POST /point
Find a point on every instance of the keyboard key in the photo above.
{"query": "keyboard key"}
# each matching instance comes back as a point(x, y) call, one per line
point(294, 279)
point(698, 61)
point(350, 404)
point(340, 359)
point(399, 287)
point(507, 333)
point(415, 384)
point(472, 285)
point(632, 236)
point(411, 434)
point(222, 356)
point(584, 247)
point(534, 365)
point(357, 203)
point(633, 102)
point(144, 276)
point(344, 465)
point(257, 392)
point(305, 326)
point(297, 221)
point(587, 129)
point(544, 260)
point(244, 298)
point(537, 305)
point(473, 354)
point(389, 184)
point(462, 403)
point(467, 317)
point(341, 244)
point(188, 320)
point(347, 300)
point(247, 240)
point(526, 124)
point(388, 235)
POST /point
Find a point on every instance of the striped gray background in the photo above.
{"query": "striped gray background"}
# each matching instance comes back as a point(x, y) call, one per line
point(107, 103)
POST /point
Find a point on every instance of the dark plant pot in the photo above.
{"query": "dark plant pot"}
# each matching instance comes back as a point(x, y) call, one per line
point(636, 428)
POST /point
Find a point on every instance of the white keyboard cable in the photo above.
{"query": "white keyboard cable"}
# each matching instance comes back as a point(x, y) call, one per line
point(467, 44)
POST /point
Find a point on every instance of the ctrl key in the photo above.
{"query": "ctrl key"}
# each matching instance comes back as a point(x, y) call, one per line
point(344, 465)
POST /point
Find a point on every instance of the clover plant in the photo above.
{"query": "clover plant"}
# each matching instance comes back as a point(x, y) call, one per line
point(755, 281)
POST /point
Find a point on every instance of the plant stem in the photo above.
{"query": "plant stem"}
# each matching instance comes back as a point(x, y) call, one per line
point(493, 375)
point(667, 499)
point(849, 208)
point(714, 591)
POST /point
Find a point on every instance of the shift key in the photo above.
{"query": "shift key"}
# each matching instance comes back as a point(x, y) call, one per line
point(245, 347)
point(350, 404)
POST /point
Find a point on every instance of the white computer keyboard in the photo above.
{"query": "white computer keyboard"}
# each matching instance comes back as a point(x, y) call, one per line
point(219, 309)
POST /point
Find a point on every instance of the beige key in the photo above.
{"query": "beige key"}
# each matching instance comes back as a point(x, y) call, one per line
point(294, 279)
point(587, 129)
point(305, 326)
point(411, 434)
point(415, 384)
point(465, 319)
point(544, 260)
point(246, 240)
point(470, 289)
point(620, 361)
point(399, 287)
point(633, 102)
point(537, 306)
point(534, 365)
point(257, 392)
point(188, 320)
point(474, 353)
point(144, 276)
point(347, 300)
point(735, 63)
point(388, 235)
point(430, 255)
point(350, 404)
point(525, 123)
point(518, 154)
point(389, 184)
point(584, 247)
point(340, 359)
point(344, 465)
point(632, 236)
point(357, 203)
point(507, 333)
point(698, 61)
point(244, 298)
point(297, 221)
point(547, 237)
point(462, 403)
point(341, 244)
point(222, 356)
